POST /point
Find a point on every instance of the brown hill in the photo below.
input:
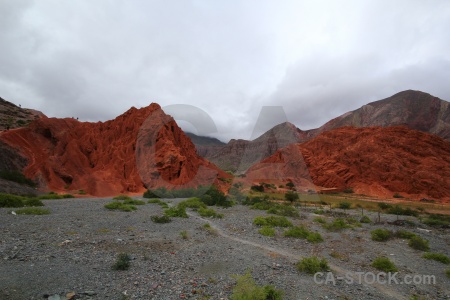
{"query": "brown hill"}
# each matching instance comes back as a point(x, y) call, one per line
point(13, 116)
point(374, 161)
point(141, 147)
point(414, 109)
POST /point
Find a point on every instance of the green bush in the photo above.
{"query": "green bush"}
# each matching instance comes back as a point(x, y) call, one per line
point(176, 212)
point(384, 264)
point(381, 235)
point(403, 234)
point(345, 205)
point(122, 263)
point(7, 200)
point(384, 206)
point(116, 205)
point(159, 202)
point(275, 221)
point(320, 220)
point(184, 235)
point(397, 210)
point(194, 203)
point(161, 219)
point(437, 220)
point(418, 243)
point(209, 212)
point(267, 231)
point(32, 211)
point(365, 219)
point(246, 289)
point(337, 225)
point(312, 265)
point(291, 196)
point(297, 232)
point(283, 210)
point(319, 211)
point(437, 257)
point(133, 202)
point(314, 237)
point(16, 177)
point(33, 202)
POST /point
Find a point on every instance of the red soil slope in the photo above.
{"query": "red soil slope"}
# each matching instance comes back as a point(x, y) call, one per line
point(374, 161)
point(109, 158)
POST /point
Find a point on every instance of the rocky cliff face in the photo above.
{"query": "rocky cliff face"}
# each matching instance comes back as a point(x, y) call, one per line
point(141, 147)
point(374, 161)
point(13, 116)
point(239, 155)
point(414, 109)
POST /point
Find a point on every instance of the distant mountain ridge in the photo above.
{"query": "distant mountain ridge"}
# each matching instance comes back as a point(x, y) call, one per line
point(414, 109)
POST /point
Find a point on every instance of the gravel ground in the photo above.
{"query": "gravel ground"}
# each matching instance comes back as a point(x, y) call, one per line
point(73, 249)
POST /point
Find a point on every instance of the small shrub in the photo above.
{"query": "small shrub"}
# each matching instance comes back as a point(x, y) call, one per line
point(184, 235)
point(7, 200)
point(437, 257)
point(365, 219)
point(418, 243)
point(399, 211)
point(284, 210)
point(384, 264)
point(312, 265)
point(246, 289)
point(337, 225)
point(291, 196)
point(122, 263)
point(403, 234)
point(267, 231)
point(320, 220)
point(209, 213)
point(314, 237)
point(384, 206)
point(345, 205)
point(209, 229)
point(381, 235)
point(397, 195)
point(437, 220)
point(275, 221)
point(161, 219)
point(150, 194)
point(319, 211)
point(297, 232)
point(176, 212)
point(194, 203)
point(447, 273)
point(133, 202)
point(32, 211)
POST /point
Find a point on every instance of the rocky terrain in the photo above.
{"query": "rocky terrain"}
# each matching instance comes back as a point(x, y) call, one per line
point(13, 116)
point(374, 161)
point(142, 147)
point(71, 252)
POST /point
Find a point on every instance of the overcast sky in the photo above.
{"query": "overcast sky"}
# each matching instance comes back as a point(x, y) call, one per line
point(229, 58)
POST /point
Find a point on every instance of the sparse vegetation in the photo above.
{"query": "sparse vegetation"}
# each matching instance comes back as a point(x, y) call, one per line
point(209, 212)
point(399, 211)
point(291, 196)
point(437, 220)
point(337, 225)
point(303, 233)
point(161, 219)
point(320, 220)
point(8, 200)
point(117, 205)
point(283, 210)
point(418, 243)
point(122, 263)
point(194, 203)
point(312, 265)
point(32, 211)
point(209, 229)
point(267, 231)
point(176, 212)
point(275, 221)
point(246, 289)
point(437, 257)
point(184, 235)
point(447, 273)
point(122, 197)
point(384, 264)
point(53, 196)
point(381, 235)
point(403, 234)
point(345, 205)
point(365, 219)
point(159, 202)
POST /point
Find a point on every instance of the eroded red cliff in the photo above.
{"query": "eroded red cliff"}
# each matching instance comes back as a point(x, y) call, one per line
point(141, 147)
point(373, 161)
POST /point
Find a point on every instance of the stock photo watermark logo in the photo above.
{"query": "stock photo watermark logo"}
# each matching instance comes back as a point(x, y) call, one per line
point(369, 278)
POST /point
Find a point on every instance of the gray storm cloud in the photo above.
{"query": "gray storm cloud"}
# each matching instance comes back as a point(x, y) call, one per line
point(315, 59)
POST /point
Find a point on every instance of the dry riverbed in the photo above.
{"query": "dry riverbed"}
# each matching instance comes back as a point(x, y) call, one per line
point(72, 251)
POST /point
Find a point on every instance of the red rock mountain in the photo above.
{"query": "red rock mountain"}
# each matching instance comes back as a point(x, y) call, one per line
point(141, 147)
point(414, 109)
point(374, 161)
